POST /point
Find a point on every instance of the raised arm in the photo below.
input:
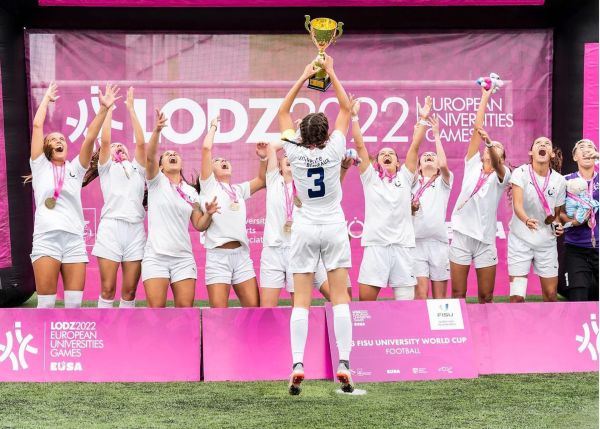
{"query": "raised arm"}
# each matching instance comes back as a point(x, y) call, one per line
point(494, 155)
point(479, 123)
point(207, 144)
point(140, 141)
point(343, 118)
point(106, 102)
point(201, 220)
point(412, 156)
point(37, 134)
point(271, 157)
point(105, 138)
point(283, 114)
point(151, 161)
point(361, 149)
point(517, 197)
point(439, 149)
point(260, 181)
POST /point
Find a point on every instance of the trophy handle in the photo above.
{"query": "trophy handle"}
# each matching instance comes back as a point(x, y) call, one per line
point(340, 30)
point(307, 23)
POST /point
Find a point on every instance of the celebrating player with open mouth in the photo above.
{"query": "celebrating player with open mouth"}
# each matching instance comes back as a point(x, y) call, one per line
point(319, 229)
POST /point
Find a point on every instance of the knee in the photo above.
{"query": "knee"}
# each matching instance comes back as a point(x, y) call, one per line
point(550, 296)
point(127, 295)
point(107, 292)
point(485, 298)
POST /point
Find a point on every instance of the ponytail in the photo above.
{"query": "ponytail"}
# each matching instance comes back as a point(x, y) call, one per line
point(556, 162)
point(92, 172)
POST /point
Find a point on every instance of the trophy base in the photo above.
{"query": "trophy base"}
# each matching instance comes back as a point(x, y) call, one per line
point(319, 83)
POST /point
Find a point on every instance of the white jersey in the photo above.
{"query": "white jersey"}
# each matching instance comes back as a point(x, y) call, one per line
point(388, 218)
point(317, 177)
point(555, 195)
point(430, 220)
point(169, 217)
point(67, 215)
point(274, 235)
point(229, 225)
point(123, 195)
point(477, 217)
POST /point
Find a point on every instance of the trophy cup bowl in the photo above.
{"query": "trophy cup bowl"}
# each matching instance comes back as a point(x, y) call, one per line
point(323, 32)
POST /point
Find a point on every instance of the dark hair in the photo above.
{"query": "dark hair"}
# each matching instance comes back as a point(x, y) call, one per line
point(314, 130)
point(47, 153)
point(557, 160)
point(92, 171)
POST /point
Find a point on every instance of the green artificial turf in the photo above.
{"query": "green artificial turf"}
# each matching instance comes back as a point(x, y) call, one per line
point(500, 401)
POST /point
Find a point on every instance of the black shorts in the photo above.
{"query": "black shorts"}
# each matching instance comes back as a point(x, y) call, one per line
point(581, 271)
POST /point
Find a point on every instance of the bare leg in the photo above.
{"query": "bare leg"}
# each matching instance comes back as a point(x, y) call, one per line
point(108, 278)
point(247, 292)
point(45, 271)
point(131, 271)
point(218, 295)
point(73, 276)
point(422, 289)
point(156, 292)
point(549, 285)
point(439, 289)
point(183, 292)
point(269, 297)
point(324, 289)
point(459, 274)
point(368, 292)
point(486, 280)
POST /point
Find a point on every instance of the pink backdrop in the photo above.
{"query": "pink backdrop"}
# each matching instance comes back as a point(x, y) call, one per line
point(291, 3)
point(590, 92)
point(192, 77)
point(5, 252)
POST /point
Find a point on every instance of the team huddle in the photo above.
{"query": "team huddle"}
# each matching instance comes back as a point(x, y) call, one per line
point(306, 243)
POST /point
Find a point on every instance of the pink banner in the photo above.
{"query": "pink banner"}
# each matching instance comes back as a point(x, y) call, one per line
point(5, 252)
point(280, 3)
point(245, 344)
point(193, 77)
point(590, 93)
point(408, 340)
point(535, 337)
point(100, 345)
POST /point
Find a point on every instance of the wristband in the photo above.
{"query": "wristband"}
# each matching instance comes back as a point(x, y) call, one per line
point(213, 125)
point(266, 158)
point(423, 122)
point(345, 168)
point(489, 144)
point(355, 118)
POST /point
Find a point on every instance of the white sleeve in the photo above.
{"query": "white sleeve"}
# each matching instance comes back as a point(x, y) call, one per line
point(517, 177)
point(290, 150)
point(77, 169)
point(38, 163)
point(209, 185)
point(367, 176)
point(408, 177)
point(243, 190)
point(337, 141)
point(451, 181)
point(155, 181)
point(104, 168)
point(562, 192)
point(139, 168)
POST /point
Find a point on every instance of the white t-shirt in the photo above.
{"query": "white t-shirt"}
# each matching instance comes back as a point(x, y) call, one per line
point(430, 220)
point(317, 177)
point(274, 236)
point(477, 218)
point(123, 196)
point(169, 217)
point(555, 195)
point(229, 225)
point(67, 215)
point(388, 218)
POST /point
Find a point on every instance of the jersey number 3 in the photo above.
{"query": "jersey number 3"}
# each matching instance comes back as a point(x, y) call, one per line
point(319, 184)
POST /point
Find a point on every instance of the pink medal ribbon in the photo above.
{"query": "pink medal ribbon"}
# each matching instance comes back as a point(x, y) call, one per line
point(541, 191)
point(59, 181)
point(232, 196)
point(483, 176)
point(183, 195)
point(289, 201)
point(119, 160)
point(422, 189)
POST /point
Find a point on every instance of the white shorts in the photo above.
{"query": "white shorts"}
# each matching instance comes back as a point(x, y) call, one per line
point(229, 266)
point(275, 270)
point(168, 267)
point(390, 265)
point(313, 242)
point(431, 260)
point(63, 246)
point(465, 249)
point(120, 241)
point(521, 254)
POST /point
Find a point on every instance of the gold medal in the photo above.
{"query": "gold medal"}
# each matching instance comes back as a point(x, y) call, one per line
point(297, 202)
point(50, 203)
point(287, 228)
point(234, 206)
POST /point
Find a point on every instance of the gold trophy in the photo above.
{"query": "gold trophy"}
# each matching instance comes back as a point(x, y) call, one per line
point(323, 32)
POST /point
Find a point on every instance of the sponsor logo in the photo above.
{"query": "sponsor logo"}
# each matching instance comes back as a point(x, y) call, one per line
point(447, 369)
point(419, 370)
point(15, 348)
point(589, 340)
point(445, 314)
point(65, 366)
point(393, 371)
point(359, 372)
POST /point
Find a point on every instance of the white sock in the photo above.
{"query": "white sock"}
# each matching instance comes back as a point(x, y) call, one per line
point(46, 301)
point(73, 298)
point(404, 293)
point(105, 303)
point(127, 304)
point(298, 332)
point(342, 326)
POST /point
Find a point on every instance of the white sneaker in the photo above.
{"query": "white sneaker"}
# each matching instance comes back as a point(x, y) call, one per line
point(345, 378)
point(296, 379)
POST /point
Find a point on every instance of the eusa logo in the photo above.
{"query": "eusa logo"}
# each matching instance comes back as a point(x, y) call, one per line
point(15, 352)
point(586, 341)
